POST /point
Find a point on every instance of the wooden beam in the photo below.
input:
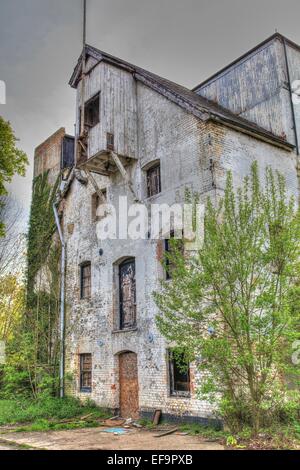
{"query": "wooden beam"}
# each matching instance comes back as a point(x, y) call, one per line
point(97, 170)
point(95, 185)
point(124, 173)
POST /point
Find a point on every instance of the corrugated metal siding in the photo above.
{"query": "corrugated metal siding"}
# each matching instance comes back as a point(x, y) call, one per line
point(293, 57)
point(256, 89)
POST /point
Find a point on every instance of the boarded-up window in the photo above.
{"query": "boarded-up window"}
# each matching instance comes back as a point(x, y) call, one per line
point(85, 280)
point(179, 375)
point(96, 202)
point(85, 372)
point(92, 111)
point(127, 291)
point(153, 180)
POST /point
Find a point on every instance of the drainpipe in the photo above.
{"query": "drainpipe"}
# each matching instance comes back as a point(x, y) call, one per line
point(62, 304)
point(291, 96)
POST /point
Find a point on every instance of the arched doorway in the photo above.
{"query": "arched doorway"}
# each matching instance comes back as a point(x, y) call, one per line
point(129, 388)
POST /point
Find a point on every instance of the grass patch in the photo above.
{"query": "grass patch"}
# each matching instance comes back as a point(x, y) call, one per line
point(277, 437)
point(45, 425)
point(47, 414)
point(146, 423)
point(195, 429)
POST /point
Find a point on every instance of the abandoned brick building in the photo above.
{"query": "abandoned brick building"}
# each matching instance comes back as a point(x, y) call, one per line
point(143, 136)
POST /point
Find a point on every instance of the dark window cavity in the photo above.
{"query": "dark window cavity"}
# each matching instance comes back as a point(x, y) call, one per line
point(127, 290)
point(85, 372)
point(67, 152)
point(92, 111)
point(85, 280)
point(179, 375)
point(170, 248)
point(153, 180)
point(96, 202)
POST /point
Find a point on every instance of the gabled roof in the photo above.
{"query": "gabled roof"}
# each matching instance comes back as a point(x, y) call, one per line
point(275, 36)
point(195, 104)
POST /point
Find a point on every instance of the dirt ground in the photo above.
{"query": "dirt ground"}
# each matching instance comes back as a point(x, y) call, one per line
point(97, 439)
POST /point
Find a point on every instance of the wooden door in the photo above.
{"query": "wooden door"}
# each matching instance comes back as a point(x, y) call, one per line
point(129, 388)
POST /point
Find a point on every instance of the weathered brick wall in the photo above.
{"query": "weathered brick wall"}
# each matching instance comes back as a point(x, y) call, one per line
point(235, 151)
point(194, 155)
point(47, 156)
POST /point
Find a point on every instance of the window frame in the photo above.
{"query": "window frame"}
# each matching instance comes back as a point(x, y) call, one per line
point(82, 266)
point(96, 202)
point(171, 370)
point(153, 167)
point(122, 325)
point(85, 389)
point(168, 268)
point(87, 104)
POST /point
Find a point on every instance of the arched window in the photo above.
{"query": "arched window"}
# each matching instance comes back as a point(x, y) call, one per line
point(127, 294)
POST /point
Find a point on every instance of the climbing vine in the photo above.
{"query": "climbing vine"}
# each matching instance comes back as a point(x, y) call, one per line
point(41, 227)
point(33, 357)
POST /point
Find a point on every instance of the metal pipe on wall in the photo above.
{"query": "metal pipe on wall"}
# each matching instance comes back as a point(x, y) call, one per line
point(62, 305)
point(291, 96)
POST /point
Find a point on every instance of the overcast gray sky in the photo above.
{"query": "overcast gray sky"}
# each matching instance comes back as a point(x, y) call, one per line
point(183, 40)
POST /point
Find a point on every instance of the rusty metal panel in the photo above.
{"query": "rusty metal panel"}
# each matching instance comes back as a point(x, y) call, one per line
point(129, 389)
point(127, 294)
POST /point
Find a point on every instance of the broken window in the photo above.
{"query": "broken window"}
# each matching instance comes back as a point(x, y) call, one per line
point(85, 372)
point(67, 152)
point(171, 246)
point(96, 202)
point(110, 141)
point(153, 180)
point(85, 280)
point(92, 111)
point(127, 290)
point(179, 371)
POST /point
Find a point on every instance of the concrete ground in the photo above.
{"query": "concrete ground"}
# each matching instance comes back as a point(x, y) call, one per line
point(96, 439)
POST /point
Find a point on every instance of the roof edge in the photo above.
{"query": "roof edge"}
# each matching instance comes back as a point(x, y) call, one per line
point(61, 131)
point(276, 35)
point(200, 111)
point(257, 134)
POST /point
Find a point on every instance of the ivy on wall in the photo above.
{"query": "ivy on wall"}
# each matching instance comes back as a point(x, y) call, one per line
point(43, 286)
point(41, 227)
point(32, 362)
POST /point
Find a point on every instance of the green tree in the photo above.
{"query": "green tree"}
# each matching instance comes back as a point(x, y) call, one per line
point(234, 305)
point(12, 160)
point(12, 303)
point(31, 367)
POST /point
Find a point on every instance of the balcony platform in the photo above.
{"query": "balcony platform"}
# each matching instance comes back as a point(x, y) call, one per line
point(103, 163)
